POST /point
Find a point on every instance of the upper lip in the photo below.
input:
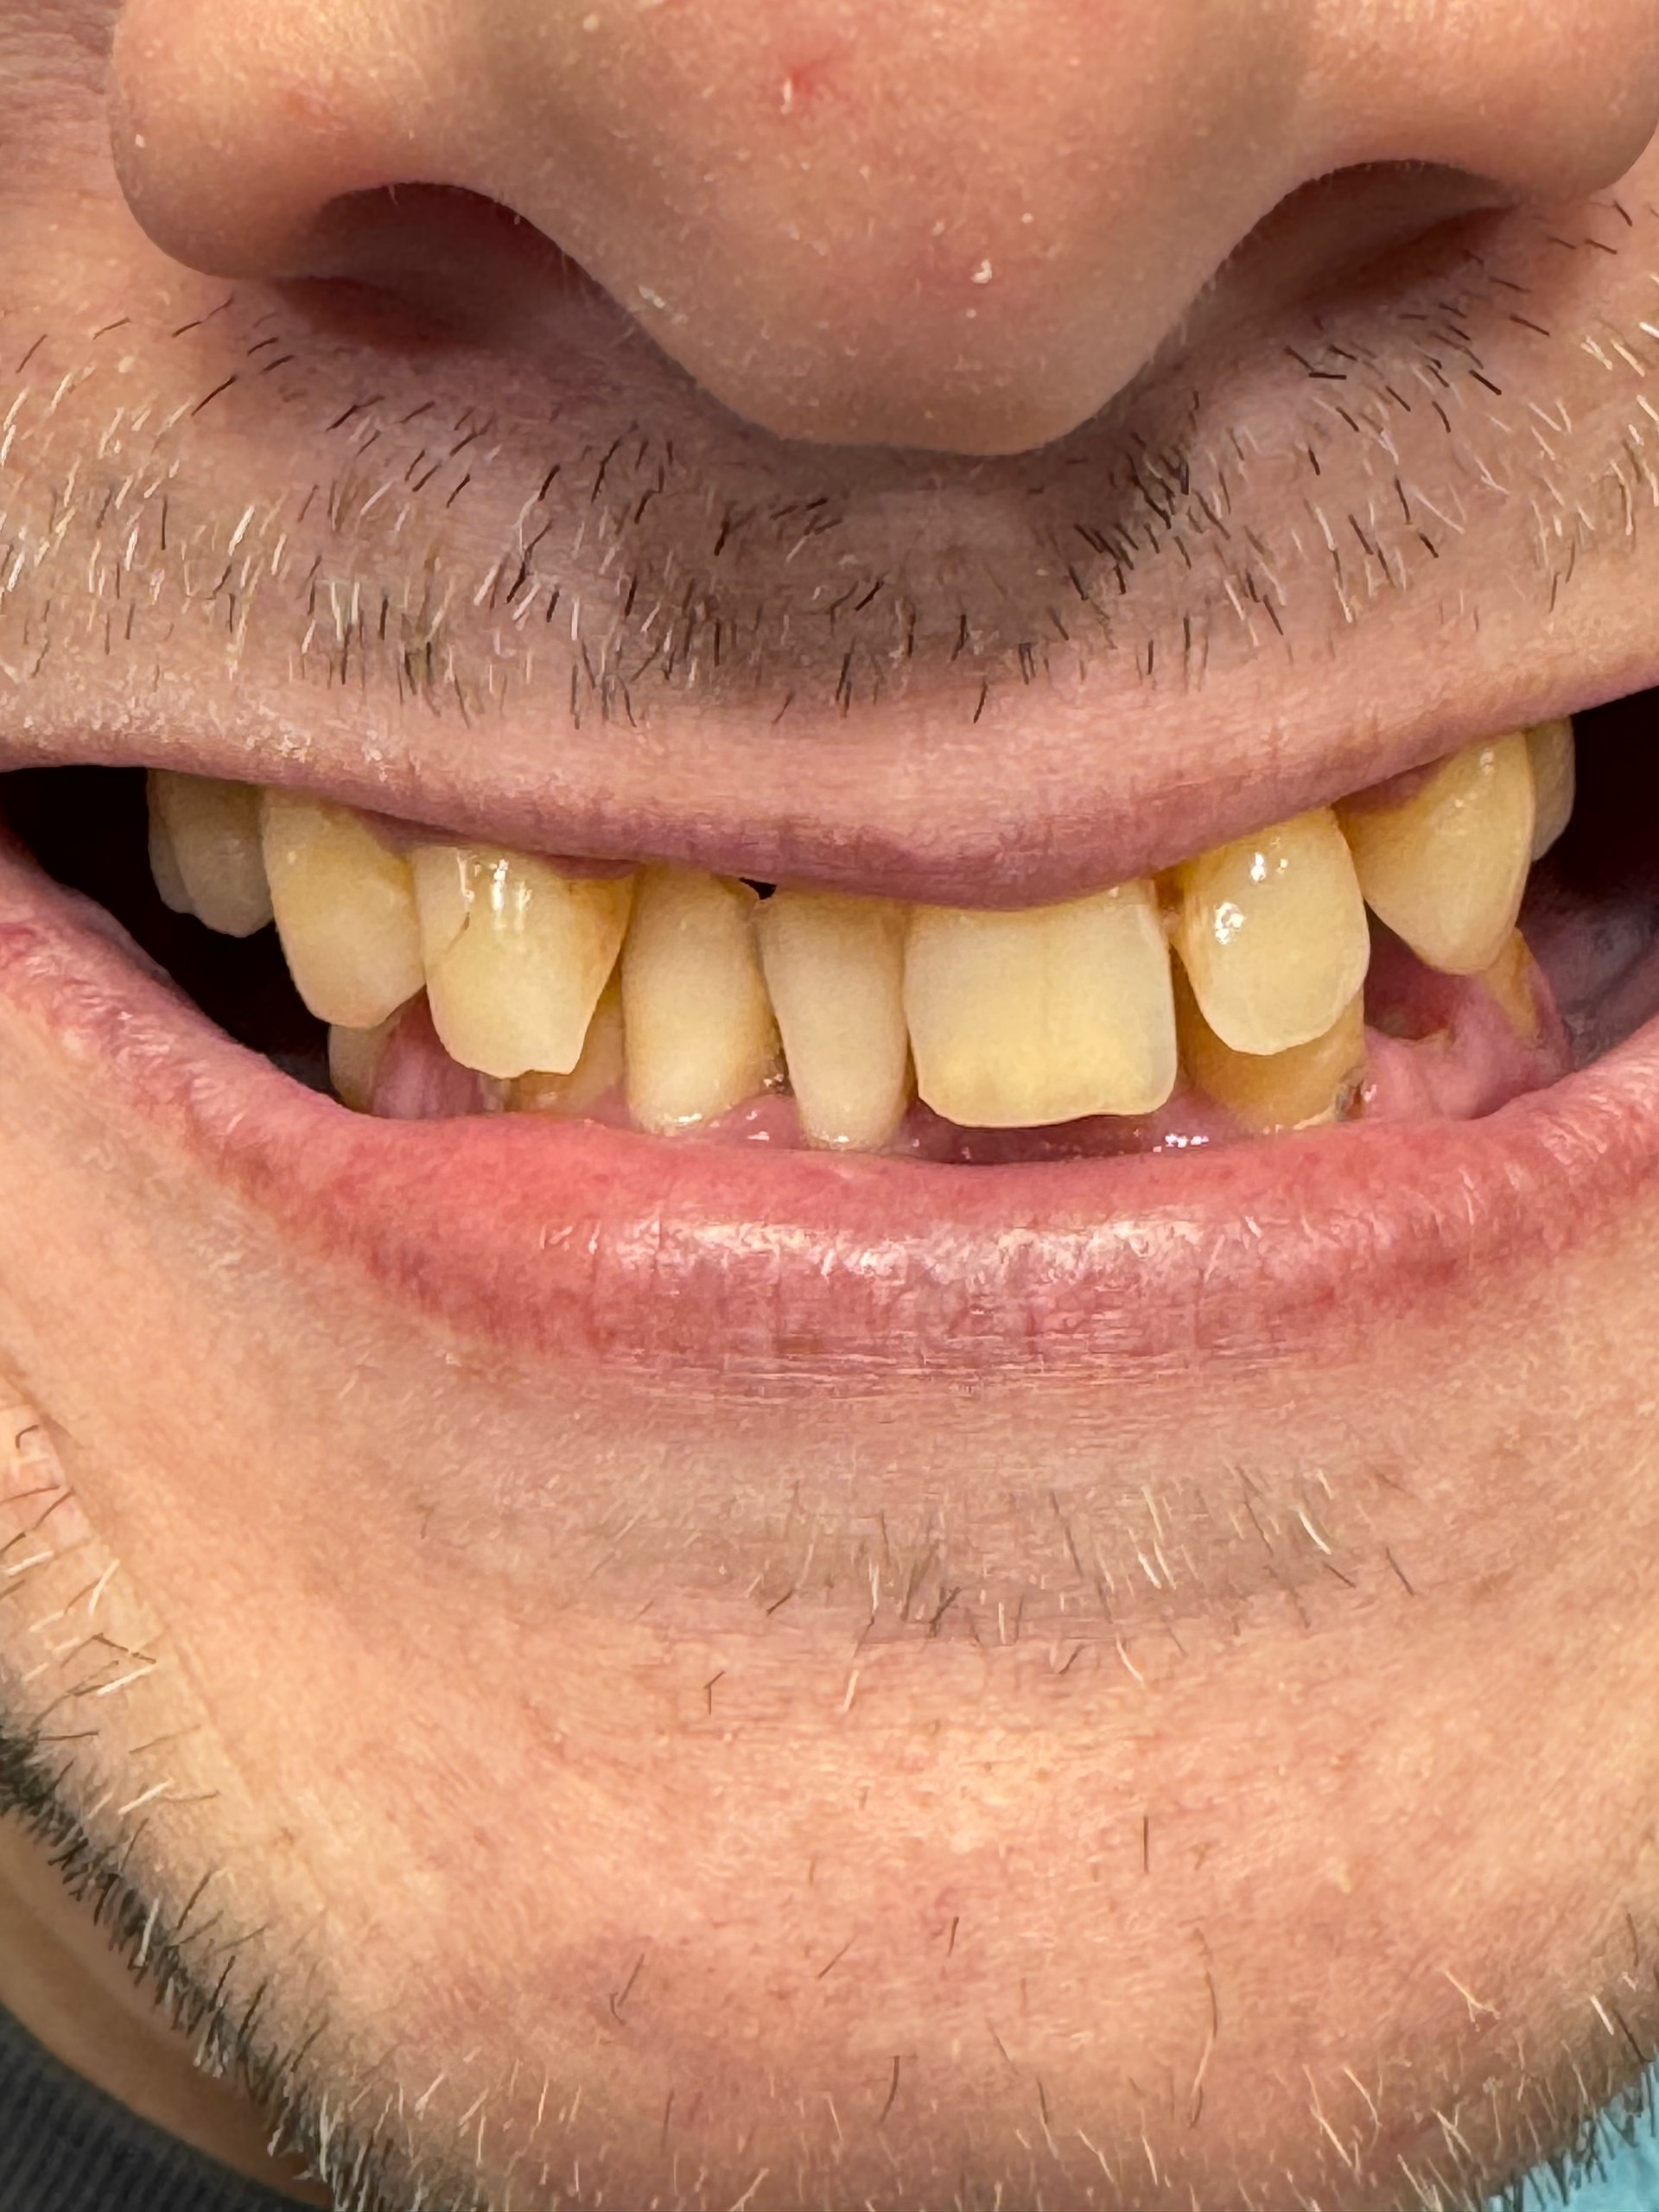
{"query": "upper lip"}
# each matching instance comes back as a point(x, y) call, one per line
point(1286, 566)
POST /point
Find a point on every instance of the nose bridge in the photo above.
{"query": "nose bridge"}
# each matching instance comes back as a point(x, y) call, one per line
point(857, 220)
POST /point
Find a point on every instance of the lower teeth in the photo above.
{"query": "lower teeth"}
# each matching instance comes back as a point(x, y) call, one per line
point(456, 979)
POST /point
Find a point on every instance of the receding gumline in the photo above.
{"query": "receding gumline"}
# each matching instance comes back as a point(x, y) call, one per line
point(1246, 992)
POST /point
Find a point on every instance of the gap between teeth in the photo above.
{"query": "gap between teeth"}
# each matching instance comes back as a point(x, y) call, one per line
point(689, 993)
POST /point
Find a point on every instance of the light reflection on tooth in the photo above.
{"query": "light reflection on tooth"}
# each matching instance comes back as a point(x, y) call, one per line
point(599, 1068)
point(700, 1037)
point(1446, 870)
point(1271, 1091)
point(835, 968)
point(345, 909)
point(213, 827)
point(516, 955)
point(1044, 1015)
point(1272, 932)
point(1554, 774)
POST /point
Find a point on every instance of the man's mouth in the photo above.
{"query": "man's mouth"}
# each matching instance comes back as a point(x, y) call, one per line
point(1429, 950)
point(1024, 883)
point(1363, 963)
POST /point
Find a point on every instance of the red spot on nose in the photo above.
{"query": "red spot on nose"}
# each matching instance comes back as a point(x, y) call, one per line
point(805, 81)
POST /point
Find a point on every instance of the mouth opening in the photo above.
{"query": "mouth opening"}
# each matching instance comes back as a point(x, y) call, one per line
point(716, 1011)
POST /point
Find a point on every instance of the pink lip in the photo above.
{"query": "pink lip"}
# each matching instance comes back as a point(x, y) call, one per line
point(762, 1269)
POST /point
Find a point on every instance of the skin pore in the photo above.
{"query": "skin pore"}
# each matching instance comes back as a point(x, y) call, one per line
point(979, 1739)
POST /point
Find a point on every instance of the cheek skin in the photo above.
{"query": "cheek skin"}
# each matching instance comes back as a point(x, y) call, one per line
point(542, 1712)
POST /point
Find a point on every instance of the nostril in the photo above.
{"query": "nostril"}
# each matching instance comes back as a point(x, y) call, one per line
point(404, 263)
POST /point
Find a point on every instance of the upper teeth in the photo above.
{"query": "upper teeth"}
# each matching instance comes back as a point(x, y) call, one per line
point(345, 909)
point(835, 967)
point(1045, 1014)
point(204, 849)
point(1272, 932)
point(516, 955)
point(1446, 868)
point(700, 1035)
point(1011, 1019)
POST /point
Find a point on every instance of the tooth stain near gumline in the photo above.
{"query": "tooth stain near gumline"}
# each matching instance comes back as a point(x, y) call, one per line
point(668, 997)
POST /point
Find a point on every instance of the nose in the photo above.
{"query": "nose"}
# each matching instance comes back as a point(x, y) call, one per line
point(958, 224)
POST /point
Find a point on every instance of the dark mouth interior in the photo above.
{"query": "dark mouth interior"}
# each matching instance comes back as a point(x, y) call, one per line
point(1592, 915)
point(88, 829)
point(1592, 910)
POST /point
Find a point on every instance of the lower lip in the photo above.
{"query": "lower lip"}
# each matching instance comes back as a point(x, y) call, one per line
point(762, 1267)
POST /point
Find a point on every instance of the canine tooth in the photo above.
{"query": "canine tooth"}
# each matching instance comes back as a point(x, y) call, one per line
point(1551, 751)
point(354, 1056)
point(1269, 1091)
point(212, 827)
point(1021, 1018)
point(599, 1069)
point(1272, 932)
point(700, 1037)
point(516, 955)
point(835, 967)
point(345, 909)
point(1446, 868)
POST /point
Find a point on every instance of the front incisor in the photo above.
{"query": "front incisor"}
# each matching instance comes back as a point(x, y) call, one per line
point(1044, 1015)
point(345, 909)
point(516, 955)
point(835, 968)
point(209, 828)
point(1272, 932)
point(1446, 870)
point(701, 1037)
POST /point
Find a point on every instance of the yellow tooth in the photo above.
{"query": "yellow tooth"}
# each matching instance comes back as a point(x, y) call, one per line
point(1513, 981)
point(170, 886)
point(1445, 870)
point(1044, 1016)
point(354, 1056)
point(1268, 1091)
point(1550, 750)
point(1272, 931)
point(213, 830)
point(701, 1037)
point(344, 908)
point(835, 967)
point(516, 955)
point(599, 1069)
